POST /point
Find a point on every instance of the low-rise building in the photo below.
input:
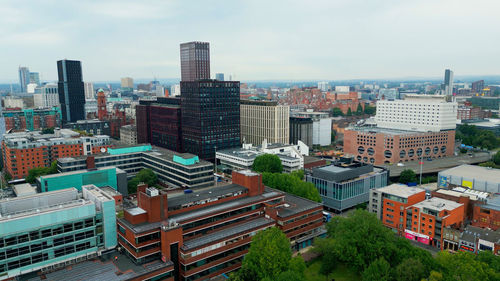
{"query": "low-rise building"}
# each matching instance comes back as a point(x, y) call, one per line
point(207, 233)
point(27, 150)
point(128, 134)
point(389, 204)
point(471, 176)
point(322, 126)
point(475, 239)
point(345, 185)
point(54, 229)
point(425, 220)
point(100, 177)
point(174, 169)
point(291, 156)
point(94, 126)
point(487, 215)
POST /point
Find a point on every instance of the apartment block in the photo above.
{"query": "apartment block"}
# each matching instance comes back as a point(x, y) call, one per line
point(31, 119)
point(425, 220)
point(389, 204)
point(54, 229)
point(25, 151)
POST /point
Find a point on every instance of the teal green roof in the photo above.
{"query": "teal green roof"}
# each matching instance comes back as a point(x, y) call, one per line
point(187, 162)
point(116, 151)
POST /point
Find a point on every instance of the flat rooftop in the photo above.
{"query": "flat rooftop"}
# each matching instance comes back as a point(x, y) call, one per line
point(295, 205)
point(375, 130)
point(106, 267)
point(76, 172)
point(35, 204)
point(225, 233)
point(334, 169)
point(400, 190)
point(206, 194)
point(437, 204)
point(493, 203)
point(472, 171)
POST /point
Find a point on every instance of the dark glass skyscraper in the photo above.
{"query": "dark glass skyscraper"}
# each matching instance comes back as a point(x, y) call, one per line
point(71, 90)
point(195, 61)
point(210, 116)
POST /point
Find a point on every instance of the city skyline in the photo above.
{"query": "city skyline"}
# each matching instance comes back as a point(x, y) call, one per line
point(329, 40)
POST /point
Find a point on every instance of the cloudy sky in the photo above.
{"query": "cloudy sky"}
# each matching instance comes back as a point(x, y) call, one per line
point(254, 39)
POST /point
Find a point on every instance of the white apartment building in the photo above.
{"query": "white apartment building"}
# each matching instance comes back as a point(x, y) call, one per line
point(128, 134)
point(422, 113)
point(324, 86)
point(89, 90)
point(264, 120)
point(175, 90)
point(46, 96)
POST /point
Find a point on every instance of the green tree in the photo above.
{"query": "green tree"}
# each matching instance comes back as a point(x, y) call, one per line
point(291, 183)
point(268, 257)
point(465, 266)
point(407, 176)
point(370, 110)
point(146, 176)
point(349, 112)
point(267, 163)
point(290, 276)
point(298, 174)
point(337, 112)
point(410, 270)
point(379, 270)
point(48, 130)
point(359, 110)
point(334, 134)
point(326, 248)
point(496, 158)
point(34, 173)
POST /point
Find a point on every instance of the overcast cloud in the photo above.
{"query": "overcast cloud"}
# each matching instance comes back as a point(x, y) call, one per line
point(254, 40)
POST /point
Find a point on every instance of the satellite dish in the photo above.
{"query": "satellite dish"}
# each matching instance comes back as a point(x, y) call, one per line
point(103, 149)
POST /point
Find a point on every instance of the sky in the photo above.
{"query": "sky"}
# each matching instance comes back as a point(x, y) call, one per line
point(254, 39)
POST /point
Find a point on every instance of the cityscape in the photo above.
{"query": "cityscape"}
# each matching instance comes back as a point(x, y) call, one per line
point(231, 173)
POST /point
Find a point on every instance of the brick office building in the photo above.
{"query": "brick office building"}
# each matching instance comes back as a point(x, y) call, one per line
point(487, 215)
point(207, 233)
point(382, 146)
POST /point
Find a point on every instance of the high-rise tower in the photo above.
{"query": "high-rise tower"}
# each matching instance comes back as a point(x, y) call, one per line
point(448, 82)
point(195, 61)
point(24, 78)
point(102, 112)
point(71, 91)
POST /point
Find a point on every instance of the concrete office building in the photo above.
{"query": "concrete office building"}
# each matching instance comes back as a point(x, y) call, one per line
point(343, 185)
point(388, 202)
point(264, 120)
point(422, 113)
point(46, 96)
point(89, 90)
point(51, 230)
point(173, 169)
point(301, 129)
point(127, 83)
point(471, 176)
point(128, 134)
point(322, 126)
point(206, 234)
point(35, 78)
point(195, 61)
point(107, 176)
point(291, 156)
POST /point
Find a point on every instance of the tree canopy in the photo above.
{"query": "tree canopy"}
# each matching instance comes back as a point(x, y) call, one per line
point(337, 112)
point(146, 176)
point(471, 135)
point(270, 258)
point(407, 176)
point(267, 163)
point(349, 112)
point(292, 183)
point(41, 171)
point(370, 110)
